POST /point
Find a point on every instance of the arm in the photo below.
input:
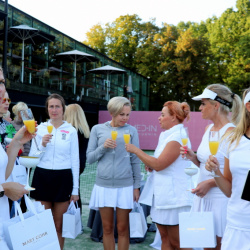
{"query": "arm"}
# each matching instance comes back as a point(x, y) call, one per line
point(94, 153)
point(21, 137)
point(74, 156)
point(14, 190)
point(189, 153)
point(203, 187)
point(185, 151)
point(166, 158)
point(135, 162)
point(224, 182)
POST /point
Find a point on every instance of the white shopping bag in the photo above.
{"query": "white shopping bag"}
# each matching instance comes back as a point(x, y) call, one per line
point(31, 230)
point(72, 222)
point(146, 196)
point(137, 222)
point(18, 174)
point(197, 229)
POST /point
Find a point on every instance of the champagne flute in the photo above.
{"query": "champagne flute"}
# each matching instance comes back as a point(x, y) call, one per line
point(184, 138)
point(29, 162)
point(214, 142)
point(29, 122)
point(190, 172)
point(50, 129)
point(114, 134)
point(126, 137)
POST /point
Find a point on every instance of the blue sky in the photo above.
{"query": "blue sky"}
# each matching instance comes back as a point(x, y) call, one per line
point(76, 17)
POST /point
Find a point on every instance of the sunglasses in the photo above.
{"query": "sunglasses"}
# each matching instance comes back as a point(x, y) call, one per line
point(6, 99)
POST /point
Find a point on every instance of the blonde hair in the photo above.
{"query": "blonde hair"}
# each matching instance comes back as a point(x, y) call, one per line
point(74, 114)
point(20, 106)
point(116, 104)
point(7, 114)
point(180, 110)
point(225, 93)
point(235, 134)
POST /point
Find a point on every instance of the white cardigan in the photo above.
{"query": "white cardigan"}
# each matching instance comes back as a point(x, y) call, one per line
point(62, 153)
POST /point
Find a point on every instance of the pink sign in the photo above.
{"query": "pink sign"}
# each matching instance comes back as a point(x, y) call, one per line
point(147, 125)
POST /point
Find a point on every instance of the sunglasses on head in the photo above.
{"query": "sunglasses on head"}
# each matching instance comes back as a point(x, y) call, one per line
point(6, 99)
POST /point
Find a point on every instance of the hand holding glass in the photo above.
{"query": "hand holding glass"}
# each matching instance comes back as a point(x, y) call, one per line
point(126, 137)
point(214, 142)
point(29, 122)
point(50, 129)
point(114, 134)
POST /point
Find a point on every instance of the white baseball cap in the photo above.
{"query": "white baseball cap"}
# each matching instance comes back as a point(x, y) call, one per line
point(247, 98)
point(207, 94)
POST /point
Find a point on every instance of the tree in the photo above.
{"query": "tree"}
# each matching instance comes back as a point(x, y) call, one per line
point(181, 60)
point(229, 38)
point(96, 38)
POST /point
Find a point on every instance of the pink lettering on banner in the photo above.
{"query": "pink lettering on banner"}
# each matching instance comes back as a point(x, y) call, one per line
point(148, 127)
point(64, 131)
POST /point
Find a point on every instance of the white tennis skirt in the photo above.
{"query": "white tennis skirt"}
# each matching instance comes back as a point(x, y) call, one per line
point(168, 217)
point(112, 197)
point(236, 238)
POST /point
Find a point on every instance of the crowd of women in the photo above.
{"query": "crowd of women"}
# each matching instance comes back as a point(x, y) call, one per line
point(117, 185)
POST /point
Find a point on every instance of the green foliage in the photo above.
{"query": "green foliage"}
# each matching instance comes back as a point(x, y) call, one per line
point(181, 60)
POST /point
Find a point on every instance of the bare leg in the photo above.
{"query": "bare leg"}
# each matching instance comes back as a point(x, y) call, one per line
point(58, 210)
point(218, 246)
point(163, 230)
point(171, 235)
point(107, 215)
point(122, 216)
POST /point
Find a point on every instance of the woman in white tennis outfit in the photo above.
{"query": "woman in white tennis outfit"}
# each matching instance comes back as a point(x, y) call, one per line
point(118, 176)
point(169, 181)
point(216, 101)
point(231, 182)
point(11, 190)
point(56, 177)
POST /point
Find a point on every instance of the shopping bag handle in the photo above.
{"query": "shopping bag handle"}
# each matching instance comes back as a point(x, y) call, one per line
point(18, 211)
point(72, 206)
point(30, 205)
point(136, 206)
point(202, 207)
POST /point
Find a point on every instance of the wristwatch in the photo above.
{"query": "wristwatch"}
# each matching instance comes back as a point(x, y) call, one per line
point(1, 191)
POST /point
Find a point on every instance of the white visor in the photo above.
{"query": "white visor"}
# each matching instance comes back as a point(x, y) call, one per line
point(207, 94)
point(247, 98)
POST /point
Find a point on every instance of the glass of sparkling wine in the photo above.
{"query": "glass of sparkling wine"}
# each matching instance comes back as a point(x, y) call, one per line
point(184, 138)
point(114, 134)
point(29, 122)
point(50, 129)
point(126, 137)
point(214, 142)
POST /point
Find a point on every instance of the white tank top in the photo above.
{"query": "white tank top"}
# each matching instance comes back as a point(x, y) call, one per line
point(203, 153)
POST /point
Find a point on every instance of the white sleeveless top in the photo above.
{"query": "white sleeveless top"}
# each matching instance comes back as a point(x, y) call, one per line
point(4, 203)
point(171, 183)
point(203, 154)
point(238, 210)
